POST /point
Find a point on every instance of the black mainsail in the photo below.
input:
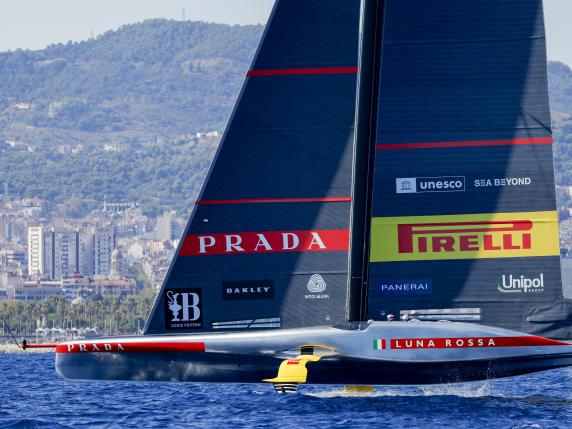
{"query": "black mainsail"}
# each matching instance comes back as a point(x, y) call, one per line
point(267, 243)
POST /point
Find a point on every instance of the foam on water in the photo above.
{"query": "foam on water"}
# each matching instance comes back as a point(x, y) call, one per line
point(463, 390)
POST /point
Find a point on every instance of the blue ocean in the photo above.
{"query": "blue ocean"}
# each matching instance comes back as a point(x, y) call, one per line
point(33, 396)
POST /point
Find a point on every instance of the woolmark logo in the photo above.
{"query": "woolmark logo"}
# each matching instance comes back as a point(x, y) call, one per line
point(183, 309)
point(405, 287)
point(494, 235)
point(412, 185)
point(316, 285)
point(521, 284)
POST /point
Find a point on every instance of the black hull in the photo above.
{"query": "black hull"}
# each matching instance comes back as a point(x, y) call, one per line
point(223, 368)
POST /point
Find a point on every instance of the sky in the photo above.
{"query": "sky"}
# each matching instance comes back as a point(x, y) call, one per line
point(34, 24)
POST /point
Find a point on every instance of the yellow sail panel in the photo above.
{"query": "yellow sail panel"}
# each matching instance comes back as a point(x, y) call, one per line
point(470, 236)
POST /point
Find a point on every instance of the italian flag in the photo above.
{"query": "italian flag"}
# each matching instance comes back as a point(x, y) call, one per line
point(378, 344)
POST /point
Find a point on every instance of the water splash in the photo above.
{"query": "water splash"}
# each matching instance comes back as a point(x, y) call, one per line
point(341, 393)
point(462, 390)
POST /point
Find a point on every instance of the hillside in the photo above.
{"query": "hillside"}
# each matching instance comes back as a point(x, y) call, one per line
point(560, 79)
point(157, 78)
point(118, 115)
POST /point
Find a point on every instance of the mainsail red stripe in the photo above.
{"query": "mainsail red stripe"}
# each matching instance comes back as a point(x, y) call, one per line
point(275, 200)
point(302, 71)
point(133, 347)
point(469, 143)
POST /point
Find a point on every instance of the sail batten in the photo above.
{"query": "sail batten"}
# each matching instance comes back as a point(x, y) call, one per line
point(302, 71)
point(277, 200)
point(466, 143)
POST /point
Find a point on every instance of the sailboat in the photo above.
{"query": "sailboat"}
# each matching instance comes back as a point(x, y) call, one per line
point(384, 160)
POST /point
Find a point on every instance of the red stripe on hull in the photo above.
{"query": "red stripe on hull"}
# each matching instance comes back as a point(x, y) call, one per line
point(38, 346)
point(476, 342)
point(233, 243)
point(275, 200)
point(140, 347)
point(302, 71)
point(470, 143)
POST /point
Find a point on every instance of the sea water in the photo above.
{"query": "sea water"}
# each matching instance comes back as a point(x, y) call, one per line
point(33, 396)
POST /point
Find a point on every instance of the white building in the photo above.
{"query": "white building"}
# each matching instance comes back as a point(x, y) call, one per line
point(166, 228)
point(59, 252)
point(54, 253)
point(76, 286)
point(34, 291)
point(35, 251)
point(103, 244)
point(62, 253)
point(136, 251)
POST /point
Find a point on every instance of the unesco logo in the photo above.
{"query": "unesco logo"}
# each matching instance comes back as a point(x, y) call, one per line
point(414, 185)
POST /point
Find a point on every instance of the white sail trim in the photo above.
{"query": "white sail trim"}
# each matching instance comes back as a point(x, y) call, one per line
point(273, 322)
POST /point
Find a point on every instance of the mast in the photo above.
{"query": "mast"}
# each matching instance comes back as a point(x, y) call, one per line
point(370, 54)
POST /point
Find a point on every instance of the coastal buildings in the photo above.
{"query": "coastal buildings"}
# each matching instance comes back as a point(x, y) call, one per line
point(103, 243)
point(56, 253)
point(166, 227)
point(36, 251)
point(44, 254)
point(70, 288)
point(62, 253)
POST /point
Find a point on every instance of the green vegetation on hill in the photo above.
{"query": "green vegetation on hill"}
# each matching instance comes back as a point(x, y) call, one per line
point(146, 88)
point(560, 82)
point(560, 86)
point(158, 77)
point(159, 177)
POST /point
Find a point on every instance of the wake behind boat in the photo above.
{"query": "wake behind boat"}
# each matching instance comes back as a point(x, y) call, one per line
point(384, 157)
